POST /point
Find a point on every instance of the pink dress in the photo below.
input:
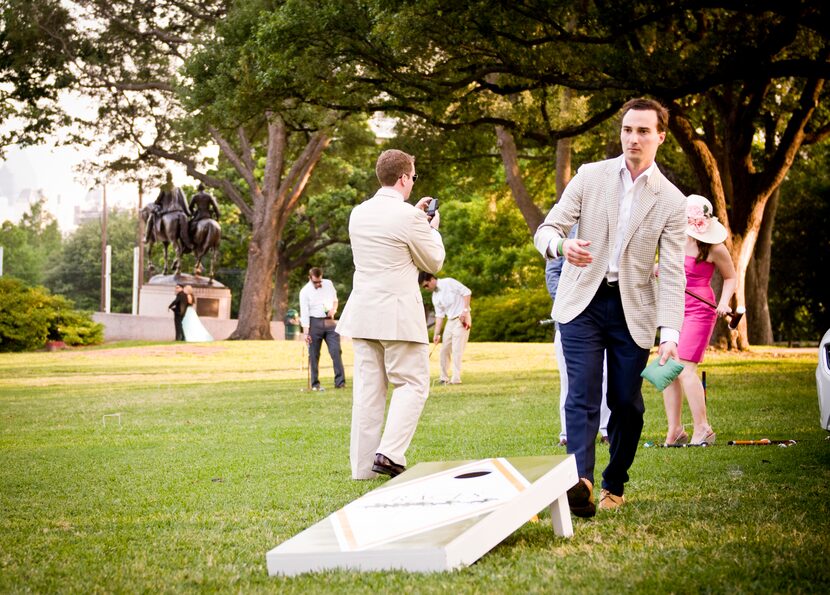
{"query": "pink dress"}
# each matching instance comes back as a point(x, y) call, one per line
point(699, 320)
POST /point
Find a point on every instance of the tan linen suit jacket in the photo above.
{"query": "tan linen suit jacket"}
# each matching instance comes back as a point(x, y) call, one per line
point(658, 223)
point(391, 240)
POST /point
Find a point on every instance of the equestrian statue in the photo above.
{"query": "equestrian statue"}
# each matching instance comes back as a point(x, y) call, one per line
point(166, 220)
point(204, 229)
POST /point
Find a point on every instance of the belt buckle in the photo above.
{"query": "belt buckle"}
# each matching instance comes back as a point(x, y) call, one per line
point(612, 284)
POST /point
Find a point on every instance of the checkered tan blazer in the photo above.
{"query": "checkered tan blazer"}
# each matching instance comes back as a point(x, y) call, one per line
point(657, 226)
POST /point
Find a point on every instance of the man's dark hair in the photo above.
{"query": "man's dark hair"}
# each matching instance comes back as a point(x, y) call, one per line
point(423, 277)
point(315, 272)
point(643, 104)
point(392, 164)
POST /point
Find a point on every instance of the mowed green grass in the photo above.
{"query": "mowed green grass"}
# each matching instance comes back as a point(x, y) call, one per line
point(220, 456)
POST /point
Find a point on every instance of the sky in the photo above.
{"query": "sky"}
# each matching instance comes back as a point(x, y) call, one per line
point(51, 170)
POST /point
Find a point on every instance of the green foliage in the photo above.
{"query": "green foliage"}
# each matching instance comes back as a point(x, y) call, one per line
point(36, 41)
point(31, 246)
point(31, 316)
point(488, 246)
point(73, 327)
point(25, 316)
point(799, 299)
point(77, 273)
point(512, 316)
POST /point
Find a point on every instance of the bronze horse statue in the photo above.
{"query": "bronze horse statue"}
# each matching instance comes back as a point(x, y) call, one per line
point(166, 219)
point(206, 238)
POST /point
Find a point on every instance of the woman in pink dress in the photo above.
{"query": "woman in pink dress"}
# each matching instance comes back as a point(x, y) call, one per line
point(705, 252)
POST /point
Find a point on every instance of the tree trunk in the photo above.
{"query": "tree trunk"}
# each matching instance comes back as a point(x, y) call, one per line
point(274, 203)
point(757, 279)
point(280, 301)
point(563, 165)
point(510, 157)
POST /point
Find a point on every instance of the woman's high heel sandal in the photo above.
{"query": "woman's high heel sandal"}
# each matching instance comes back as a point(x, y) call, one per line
point(708, 438)
point(680, 438)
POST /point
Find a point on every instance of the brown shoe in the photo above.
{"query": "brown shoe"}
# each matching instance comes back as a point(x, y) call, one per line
point(609, 501)
point(581, 499)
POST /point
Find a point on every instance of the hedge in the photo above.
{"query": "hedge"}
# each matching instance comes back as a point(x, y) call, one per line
point(29, 317)
point(512, 316)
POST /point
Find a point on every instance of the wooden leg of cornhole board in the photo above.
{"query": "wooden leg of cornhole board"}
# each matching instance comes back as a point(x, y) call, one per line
point(560, 517)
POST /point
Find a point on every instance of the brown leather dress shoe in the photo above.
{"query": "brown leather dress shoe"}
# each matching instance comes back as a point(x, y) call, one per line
point(609, 501)
point(386, 467)
point(581, 499)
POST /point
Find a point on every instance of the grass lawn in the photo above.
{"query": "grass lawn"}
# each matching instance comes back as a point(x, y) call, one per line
point(219, 456)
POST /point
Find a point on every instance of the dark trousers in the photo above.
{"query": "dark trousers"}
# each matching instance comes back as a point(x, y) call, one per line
point(177, 320)
point(600, 329)
point(323, 329)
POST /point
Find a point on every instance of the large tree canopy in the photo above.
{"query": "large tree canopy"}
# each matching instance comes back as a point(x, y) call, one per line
point(745, 80)
point(37, 44)
point(271, 81)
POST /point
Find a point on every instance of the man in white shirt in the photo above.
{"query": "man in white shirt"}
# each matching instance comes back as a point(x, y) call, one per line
point(609, 301)
point(391, 239)
point(451, 301)
point(318, 305)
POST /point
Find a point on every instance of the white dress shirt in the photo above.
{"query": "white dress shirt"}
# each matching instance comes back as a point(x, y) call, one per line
point(316, 302)
point(448, 298)
point(631, 192)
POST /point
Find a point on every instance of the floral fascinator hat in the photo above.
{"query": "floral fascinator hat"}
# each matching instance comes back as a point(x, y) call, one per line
point(702, 224)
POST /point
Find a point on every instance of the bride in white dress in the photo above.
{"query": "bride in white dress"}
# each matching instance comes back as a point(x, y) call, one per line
point(194, 330)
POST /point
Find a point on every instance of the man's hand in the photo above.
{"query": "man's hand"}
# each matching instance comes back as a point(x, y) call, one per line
point(307, 338)
point(667, 349)
point(466, 320)
point(423, 204)
point(575, 253)
point(436, 338)
point(436, 220)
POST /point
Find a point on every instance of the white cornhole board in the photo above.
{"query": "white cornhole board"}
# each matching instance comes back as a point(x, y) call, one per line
point(434, 517)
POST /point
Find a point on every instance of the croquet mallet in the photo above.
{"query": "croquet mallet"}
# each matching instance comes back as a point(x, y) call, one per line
point(735, 314)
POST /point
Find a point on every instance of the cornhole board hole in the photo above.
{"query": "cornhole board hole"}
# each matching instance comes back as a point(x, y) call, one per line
point(434, 517)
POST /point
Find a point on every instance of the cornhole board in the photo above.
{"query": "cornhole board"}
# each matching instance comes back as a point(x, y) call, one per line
point(434, 517)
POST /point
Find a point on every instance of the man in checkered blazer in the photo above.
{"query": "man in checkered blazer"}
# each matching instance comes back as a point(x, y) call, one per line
point(609, 299)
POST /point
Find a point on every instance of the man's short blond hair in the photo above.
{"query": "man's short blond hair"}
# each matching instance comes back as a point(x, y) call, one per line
point(392, 164)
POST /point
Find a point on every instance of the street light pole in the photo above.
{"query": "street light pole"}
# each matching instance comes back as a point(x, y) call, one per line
point(104, 250)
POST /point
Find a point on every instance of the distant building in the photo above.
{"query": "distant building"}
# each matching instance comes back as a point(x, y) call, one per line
point(90, 208)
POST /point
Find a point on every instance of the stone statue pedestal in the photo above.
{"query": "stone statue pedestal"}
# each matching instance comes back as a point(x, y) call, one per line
point(213, 300)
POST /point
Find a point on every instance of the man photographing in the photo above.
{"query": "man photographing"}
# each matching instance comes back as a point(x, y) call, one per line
point(451, 301)
point(391, 239)
point(318, 306)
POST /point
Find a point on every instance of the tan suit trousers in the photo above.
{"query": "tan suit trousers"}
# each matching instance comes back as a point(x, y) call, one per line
point(453, 342)
point(378, 363)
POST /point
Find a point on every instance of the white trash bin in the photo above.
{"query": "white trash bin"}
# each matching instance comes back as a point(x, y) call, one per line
point(823, 380)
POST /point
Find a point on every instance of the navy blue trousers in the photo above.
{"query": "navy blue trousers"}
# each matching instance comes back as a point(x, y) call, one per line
point(601, 328)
